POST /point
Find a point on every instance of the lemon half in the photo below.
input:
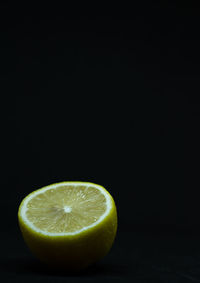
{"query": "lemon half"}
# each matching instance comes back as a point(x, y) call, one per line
point(69, 225)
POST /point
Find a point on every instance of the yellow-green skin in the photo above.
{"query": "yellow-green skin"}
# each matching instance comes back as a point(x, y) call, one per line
point(72, 252)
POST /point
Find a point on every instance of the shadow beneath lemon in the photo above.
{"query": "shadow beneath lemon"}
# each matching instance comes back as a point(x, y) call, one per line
point(33, 267)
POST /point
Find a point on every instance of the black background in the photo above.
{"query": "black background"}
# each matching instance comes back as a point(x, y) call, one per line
point(112, 100)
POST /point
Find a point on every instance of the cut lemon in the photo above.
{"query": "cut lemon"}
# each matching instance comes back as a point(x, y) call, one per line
point(69, 225)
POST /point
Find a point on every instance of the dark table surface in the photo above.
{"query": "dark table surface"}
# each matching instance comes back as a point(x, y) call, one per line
point(135, 256)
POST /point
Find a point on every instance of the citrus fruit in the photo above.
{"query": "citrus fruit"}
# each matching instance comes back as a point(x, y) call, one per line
point(69, 225)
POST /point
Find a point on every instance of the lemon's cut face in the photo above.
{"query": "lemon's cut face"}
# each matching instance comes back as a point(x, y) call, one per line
point(66, 209)
point(69, 225)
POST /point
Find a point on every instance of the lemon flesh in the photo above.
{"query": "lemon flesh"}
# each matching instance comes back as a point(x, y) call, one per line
point(69, 224)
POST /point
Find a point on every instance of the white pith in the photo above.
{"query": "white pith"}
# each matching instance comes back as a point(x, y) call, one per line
point(67, 209)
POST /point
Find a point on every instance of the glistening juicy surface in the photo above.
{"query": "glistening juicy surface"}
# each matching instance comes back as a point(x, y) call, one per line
point(66, 208)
